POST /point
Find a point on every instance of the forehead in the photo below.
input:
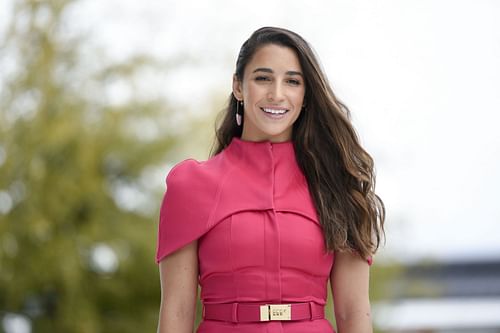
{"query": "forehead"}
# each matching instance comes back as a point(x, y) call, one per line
point(276, 57)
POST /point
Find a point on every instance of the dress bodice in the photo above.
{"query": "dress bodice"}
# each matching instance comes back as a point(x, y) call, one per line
point(259, 237)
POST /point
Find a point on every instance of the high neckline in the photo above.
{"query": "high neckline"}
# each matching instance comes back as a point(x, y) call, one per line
point(263, 142)
point(269, 173)
point(256, 150)
point(263, 157)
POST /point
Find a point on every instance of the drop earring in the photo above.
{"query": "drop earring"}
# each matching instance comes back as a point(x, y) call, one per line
point(238, 115)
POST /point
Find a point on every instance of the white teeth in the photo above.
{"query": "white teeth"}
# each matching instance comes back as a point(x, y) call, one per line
point(274, 111)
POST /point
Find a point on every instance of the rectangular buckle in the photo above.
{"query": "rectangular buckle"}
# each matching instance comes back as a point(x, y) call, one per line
point(275, 312)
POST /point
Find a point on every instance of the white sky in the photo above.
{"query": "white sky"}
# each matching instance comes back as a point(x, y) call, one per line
point(422, 79)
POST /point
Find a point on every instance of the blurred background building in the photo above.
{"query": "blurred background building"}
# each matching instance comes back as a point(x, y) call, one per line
point(460, 296)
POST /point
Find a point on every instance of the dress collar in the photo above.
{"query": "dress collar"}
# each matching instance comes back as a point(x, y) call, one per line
point(267, 173)
point(260, 152)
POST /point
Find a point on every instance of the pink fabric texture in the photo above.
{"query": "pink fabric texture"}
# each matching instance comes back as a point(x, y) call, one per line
point(259, 237)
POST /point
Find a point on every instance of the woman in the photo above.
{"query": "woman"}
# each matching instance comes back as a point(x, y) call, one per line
point(285, 204)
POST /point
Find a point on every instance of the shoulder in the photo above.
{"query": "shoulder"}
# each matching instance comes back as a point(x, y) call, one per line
point(182, 171)
point(191, 173)
point(187, 203)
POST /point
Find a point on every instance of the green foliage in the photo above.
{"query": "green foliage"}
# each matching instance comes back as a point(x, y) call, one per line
point(74, 174)
point(383, 277)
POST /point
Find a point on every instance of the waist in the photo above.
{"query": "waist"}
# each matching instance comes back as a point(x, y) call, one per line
point(262, 312)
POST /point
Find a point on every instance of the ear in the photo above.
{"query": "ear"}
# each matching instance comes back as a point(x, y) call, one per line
point(237, 88)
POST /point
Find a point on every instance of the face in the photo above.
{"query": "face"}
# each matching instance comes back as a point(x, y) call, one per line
point(272, 91)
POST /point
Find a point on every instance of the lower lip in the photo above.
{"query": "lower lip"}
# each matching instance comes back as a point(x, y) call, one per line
point(275, 116)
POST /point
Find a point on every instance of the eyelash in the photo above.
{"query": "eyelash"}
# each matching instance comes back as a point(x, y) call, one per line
point(262, 78)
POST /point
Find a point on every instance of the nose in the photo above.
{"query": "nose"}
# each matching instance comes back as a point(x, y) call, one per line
point(276, 92)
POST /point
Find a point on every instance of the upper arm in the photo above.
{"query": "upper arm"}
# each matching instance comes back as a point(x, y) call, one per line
point(349, 280)
point(179, 286)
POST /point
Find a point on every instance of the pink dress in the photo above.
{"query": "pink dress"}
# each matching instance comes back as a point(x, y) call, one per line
point(259, 238)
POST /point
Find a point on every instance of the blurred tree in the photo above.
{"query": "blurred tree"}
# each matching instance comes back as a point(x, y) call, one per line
point(81, 151)
point(78, 166)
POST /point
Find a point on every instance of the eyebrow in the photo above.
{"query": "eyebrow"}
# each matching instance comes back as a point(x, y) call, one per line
point(269, 70)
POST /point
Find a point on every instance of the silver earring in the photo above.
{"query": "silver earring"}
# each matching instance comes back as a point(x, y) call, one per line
point(238, 115)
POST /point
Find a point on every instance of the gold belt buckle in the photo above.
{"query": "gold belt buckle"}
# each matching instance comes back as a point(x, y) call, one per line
point(275, 312)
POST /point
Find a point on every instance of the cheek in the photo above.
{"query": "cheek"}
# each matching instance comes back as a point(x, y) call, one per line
point(253, 91)
point(298, 98)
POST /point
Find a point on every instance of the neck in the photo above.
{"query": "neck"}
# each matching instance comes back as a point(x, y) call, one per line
point(282, 137)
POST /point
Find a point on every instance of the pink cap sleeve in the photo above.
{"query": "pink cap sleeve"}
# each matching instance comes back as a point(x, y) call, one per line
point(181, 214)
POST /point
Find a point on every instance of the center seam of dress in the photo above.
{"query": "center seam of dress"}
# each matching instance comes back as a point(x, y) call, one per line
point(277, 254)
point(275, 224)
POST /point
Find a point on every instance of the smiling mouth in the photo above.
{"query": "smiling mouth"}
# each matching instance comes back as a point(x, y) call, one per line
point(274, 112)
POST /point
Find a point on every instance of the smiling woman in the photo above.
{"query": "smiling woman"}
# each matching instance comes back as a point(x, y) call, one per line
point(273, 90)
point(285, 204)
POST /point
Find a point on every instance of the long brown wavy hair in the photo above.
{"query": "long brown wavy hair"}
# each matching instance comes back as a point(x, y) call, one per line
point(339, 172)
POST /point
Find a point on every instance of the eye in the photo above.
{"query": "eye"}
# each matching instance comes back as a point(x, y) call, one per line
point(293, 82)
point(262, 78)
